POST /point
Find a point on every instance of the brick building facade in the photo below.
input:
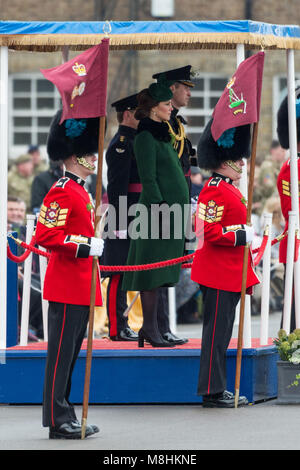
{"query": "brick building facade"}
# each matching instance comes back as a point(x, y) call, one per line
point(33, 102)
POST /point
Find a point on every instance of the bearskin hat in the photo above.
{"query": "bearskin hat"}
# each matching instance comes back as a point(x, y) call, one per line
point(232, 145)
point(73, 137)
point(283, 121)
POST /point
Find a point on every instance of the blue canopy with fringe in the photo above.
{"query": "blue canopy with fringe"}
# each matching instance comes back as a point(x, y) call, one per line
point(50, 36)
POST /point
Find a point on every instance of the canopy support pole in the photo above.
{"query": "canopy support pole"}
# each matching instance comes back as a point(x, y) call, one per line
point(3, 190)
point(293, 172)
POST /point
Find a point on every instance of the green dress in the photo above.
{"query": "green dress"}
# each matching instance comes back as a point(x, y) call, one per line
point(162, 180)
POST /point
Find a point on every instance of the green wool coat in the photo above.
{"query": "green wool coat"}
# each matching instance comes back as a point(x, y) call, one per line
point(162, 180)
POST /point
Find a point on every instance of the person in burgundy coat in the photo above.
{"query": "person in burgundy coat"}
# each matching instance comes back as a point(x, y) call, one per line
point(217, 267)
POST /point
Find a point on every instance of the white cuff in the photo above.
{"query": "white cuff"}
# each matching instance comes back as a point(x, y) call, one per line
point(249, 233)
point(97, 245)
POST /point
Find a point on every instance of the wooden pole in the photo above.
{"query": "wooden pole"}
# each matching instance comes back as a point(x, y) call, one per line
point(126, 312)
point(245, 268)
point(94, 279)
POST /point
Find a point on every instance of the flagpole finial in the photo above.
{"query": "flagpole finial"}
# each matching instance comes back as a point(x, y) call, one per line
point(107, 28)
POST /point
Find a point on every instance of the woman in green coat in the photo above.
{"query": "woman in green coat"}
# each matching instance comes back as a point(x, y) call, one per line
point(161, 217)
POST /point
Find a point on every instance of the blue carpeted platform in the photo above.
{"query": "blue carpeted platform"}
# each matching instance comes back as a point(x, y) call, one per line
point(132, 375)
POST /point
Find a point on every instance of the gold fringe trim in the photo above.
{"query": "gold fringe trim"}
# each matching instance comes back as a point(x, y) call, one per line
point(54, 42)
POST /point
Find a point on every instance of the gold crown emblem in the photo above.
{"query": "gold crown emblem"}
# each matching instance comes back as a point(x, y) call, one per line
point(54, 205)
point(79, 69)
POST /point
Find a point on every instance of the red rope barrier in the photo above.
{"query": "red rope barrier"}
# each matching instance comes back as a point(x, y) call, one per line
point(28, 249)
point(273, 242)
point(161, 264)
point(261, 250)
point(141, 267)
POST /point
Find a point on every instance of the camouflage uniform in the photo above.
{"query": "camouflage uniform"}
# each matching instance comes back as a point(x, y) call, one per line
point(266, 182)
point(19, 186)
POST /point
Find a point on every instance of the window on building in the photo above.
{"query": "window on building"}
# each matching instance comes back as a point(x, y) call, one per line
point(205, 95)
point(279, 93)
point(33, 102)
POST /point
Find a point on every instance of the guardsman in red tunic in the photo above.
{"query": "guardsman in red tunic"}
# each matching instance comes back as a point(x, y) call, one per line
point(66, 228)
point(284, 179)
point(217, 267)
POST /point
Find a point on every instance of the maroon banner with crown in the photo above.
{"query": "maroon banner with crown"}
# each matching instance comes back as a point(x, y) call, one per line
point(82, 83)
point(239, 103)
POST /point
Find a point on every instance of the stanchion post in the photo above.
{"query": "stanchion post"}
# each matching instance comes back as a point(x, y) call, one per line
point(3, 190)
point(45, 304)
point(26, 284)
point(288, 286)
point(172, 309)
point(294, 177)
point(265, 291)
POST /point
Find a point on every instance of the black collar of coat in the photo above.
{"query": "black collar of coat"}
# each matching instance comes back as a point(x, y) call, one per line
point(224, 178)
point(126, 130)
point(159, 130)
point(75, 178)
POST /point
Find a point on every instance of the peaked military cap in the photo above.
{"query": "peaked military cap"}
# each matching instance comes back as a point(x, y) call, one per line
point(130, 102)
point(72, 137)
point(181, 75)
point(232, 145)
point(283, 121)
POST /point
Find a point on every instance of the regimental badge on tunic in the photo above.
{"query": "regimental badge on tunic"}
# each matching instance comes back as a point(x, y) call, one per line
point(210, 212)
point(53, 216)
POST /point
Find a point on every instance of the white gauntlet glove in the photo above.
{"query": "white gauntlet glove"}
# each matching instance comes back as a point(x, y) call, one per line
point(249, 233)
point(97, 245)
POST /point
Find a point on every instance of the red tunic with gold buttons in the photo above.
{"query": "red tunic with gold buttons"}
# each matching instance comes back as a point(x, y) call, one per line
point(220, 218)
point(284, 190)
point(65, 228)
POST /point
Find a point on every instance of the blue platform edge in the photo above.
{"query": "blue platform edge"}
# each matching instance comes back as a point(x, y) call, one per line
point(137, 377)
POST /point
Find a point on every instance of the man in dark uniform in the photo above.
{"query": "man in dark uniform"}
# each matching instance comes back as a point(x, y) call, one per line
point(218, 264)
point(66, 228)
point(123, 190)
point(181, 85)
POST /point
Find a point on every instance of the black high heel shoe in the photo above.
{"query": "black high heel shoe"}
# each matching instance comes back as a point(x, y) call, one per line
point(143, 336)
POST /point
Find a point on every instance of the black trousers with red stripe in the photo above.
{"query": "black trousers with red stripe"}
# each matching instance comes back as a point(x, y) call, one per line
point(218, 319)
point(67, 325)
point(116, 304)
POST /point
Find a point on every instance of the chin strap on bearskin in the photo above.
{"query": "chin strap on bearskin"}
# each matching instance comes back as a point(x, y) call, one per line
point(233, 166)
point(82, 161)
